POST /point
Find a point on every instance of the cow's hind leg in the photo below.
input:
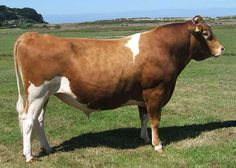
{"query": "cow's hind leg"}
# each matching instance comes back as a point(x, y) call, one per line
point(29, 120)
point(144, 119)
point(37, 98)
point(39, 130)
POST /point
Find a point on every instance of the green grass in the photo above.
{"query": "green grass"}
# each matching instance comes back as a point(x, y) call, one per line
point(197, 127)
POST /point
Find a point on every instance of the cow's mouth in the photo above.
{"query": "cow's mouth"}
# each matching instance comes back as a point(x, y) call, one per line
point(219, 51)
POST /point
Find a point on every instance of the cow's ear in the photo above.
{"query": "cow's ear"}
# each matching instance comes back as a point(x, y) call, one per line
point(197, 29)
point(197, 20)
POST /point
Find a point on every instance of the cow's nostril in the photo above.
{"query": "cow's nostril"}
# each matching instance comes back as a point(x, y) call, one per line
point(222, 48)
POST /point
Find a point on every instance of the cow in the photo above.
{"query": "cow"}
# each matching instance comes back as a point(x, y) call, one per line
point(101, 74)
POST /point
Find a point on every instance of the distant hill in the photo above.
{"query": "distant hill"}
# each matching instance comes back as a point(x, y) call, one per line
point(161, 13)
point(13, 17)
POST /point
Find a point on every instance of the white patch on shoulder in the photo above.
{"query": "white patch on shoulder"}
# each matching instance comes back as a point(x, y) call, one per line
point(133, 44)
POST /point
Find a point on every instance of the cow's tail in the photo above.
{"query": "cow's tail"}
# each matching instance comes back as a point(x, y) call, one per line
point(20, 102)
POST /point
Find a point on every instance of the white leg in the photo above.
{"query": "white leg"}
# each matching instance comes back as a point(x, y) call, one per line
point(39, 129)
point(27, 132)
point(158, 147)
point(31, 117)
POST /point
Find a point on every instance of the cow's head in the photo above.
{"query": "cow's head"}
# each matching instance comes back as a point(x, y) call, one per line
point(205, 43)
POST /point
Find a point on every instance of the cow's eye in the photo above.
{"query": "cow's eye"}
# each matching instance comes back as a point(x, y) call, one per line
point(205, 33)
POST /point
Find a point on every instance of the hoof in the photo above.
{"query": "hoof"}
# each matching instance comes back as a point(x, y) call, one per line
point(159, 148)
point(32, 159)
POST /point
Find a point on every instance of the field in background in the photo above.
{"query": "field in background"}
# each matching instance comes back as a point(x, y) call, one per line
point(197, 127)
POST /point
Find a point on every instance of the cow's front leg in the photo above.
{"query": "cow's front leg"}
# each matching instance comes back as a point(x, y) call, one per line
point(143, 114)
point(155, 119)
point(153, 99)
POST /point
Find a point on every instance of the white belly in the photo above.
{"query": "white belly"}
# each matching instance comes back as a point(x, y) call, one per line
point(66, 95)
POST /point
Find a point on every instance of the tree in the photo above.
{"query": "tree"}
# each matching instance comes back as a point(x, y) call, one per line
point(9, 16)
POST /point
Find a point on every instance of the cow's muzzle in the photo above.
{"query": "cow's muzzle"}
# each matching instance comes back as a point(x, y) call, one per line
point(219, 51)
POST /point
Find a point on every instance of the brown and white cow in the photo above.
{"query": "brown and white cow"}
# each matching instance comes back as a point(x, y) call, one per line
point(92, 74)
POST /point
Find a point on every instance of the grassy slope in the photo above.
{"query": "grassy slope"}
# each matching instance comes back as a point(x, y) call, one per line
point(196, 124)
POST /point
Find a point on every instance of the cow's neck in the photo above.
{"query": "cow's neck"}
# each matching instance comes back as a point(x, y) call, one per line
point(178, 40)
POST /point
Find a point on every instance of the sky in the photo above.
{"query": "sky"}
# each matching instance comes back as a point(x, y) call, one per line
point(96, 7)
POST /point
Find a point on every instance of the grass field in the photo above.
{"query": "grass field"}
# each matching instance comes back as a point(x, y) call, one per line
point(198, 126)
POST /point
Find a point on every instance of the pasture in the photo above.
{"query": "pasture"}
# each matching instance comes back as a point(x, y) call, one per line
point(198, 126)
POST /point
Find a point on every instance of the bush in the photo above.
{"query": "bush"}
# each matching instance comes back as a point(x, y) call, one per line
point(26, 25)
point(44, 26)
point(57, 26)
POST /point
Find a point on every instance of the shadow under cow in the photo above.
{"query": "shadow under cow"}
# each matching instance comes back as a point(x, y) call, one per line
point(127, 138)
